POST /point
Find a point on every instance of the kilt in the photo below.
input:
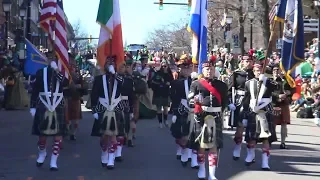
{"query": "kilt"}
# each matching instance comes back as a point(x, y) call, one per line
point(73, 109)
point(161, 101)
point(238, 113)
point(181, 127)
point(106, 124)
point(284, 117)
point(251, 129)
point(123, 123)
point(198, 125)
point(49, 124)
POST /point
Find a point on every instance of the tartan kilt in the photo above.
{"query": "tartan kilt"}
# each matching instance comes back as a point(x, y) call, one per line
point(42, 126)
point(73, 109)
point(284, 117)
point(251, 130)
point(123, 122)
point(103, 126)
point(196, 130)
point(181, 127)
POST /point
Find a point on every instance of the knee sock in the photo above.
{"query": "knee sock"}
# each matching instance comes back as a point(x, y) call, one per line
point(159, 117)
point(283, 133)
point(56, 147)
point(42, 144)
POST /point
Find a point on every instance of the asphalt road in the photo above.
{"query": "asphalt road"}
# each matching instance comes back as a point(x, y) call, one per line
point(153, 158)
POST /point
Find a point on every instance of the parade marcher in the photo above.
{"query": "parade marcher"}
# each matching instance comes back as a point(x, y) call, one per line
point(180, 127)
point(236, 94)
point(258, 119)
point(209, 96)
point(47, 109)
point(105, 97)
point(281, 104)
point(161, 86)
point(73, 95)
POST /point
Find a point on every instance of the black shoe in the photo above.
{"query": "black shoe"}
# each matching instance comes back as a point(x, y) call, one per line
point(249, 163)
point(178, 157)
point(73, 137)
point(266, 169)
point(53, 169)
point(184, 164)
point(118, 159)
point(130, 143)
point(235, 158)
point(104, 164)
point(195, 167)
point(110, 167)
point(283, 146)
point(202, 178)
point(39, 164)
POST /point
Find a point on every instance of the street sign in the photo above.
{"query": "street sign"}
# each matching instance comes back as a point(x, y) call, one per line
point(279, 44)
point(236, 42)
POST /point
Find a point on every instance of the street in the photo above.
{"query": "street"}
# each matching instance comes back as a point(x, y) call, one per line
point(153, 157)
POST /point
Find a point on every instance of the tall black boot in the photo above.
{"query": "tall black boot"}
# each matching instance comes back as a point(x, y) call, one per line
point(160, 119)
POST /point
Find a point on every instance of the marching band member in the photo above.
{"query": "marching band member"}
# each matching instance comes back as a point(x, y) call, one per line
point(47, 109)
point(209, 97)
point(236, 94)
point(105, 97)
point(126, 106)
point(258, 118)
point(180, 127)
point(161, 86)
point(281, 104)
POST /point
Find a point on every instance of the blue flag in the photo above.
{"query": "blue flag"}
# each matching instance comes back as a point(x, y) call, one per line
point(290, 13)
point(198, 27)
point(35, 59)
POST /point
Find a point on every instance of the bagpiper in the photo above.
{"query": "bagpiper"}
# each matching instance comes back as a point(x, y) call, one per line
point(236, 94)
point(281, 102)
point(182, 115)
point(126, 108)
point(209, 97)
point(105, 97)
point(47, 109)
point(258, 119)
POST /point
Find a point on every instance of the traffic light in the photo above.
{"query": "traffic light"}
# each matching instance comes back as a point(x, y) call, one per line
point(90, 39)
point(160, 4)
point(189, 5)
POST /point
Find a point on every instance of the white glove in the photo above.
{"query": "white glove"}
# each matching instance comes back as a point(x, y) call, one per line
point(111, 69)
point(232, 107)
point(96, 116)
point(245, 122)
point(33, 111)
point(261, 77)
point(54, 65)
point(131, 116)
point(194, 75)
point(174, 119)
point(198, 98)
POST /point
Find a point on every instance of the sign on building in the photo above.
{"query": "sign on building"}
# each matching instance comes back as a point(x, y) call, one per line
point(236, 42)
point(279, 44)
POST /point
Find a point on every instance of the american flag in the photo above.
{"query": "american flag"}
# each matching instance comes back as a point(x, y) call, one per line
point(52, 20)
point(273, 13)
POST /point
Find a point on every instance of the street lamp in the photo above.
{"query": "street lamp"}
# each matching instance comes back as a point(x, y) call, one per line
point(228, 28)
point(6, 5)
point(317, 4)
point(251, 18)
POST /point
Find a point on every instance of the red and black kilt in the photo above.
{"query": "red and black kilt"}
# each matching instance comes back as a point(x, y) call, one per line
point(251, 129)
point(284, 117)
point(73, 109)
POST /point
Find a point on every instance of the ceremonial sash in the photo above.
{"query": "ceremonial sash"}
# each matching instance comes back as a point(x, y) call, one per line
point(57, 97)
point(211, 89)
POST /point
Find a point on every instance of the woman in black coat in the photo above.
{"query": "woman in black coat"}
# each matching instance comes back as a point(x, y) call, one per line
point(160, 85)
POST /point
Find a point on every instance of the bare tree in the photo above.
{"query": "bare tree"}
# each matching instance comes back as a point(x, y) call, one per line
point(80, 33)
point(168, 36)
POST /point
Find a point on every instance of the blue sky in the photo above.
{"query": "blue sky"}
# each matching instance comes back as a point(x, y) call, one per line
point(138, 16)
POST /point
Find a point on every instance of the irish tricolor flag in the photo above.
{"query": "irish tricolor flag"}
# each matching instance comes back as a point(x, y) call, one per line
point(110, 38)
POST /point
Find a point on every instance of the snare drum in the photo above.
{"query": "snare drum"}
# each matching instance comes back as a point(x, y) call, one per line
point(276, 111)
